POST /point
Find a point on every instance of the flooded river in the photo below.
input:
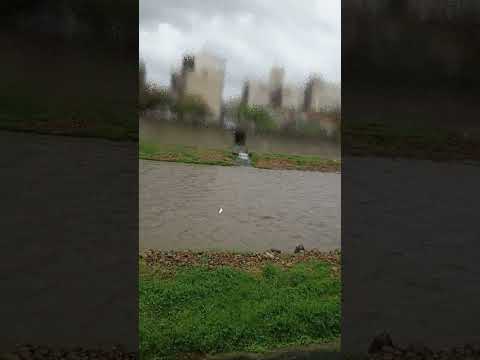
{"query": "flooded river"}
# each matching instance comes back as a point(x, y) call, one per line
point(180, 208)
point(215, 138)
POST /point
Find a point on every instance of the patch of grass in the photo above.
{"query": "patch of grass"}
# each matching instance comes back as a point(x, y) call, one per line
point(195, 155)
point(208, 311)
point(185, 154)
point(295, 162)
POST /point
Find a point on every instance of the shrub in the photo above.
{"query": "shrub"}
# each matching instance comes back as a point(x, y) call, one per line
point(151, 96)
point(191, 108)
point(261, 118)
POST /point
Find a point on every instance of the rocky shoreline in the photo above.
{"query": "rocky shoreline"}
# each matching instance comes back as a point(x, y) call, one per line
point(171, 260)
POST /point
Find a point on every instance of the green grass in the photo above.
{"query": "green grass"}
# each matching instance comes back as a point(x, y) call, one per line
point(195, 155)
point(221, 310)
point(295, 162)
point(185, 154)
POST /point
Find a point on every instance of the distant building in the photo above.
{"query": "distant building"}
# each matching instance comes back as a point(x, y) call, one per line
point(256, 93)
point(201, 75)
point(320, 95)
point(259, 93)
point(287, 102)
point(292, 97)
point(277, 74)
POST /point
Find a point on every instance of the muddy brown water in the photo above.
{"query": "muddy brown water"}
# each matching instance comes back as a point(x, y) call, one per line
point(167, 133)
point(180, 203)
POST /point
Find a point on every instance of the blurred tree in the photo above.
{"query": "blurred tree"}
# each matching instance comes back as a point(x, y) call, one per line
point(149, 95)
point(192, 109)
point(260, 117)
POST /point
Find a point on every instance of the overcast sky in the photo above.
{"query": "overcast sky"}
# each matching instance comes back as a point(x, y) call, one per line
point(303, 36)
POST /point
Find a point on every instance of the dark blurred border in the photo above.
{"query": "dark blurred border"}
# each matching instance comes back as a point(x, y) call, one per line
point(410, 170)
point(69, 163)
point(67, 67)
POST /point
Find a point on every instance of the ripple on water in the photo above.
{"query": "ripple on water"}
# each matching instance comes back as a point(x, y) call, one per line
point(262, 208)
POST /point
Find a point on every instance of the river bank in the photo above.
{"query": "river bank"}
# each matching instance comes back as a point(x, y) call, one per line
point(223, 302)
point(204, 156)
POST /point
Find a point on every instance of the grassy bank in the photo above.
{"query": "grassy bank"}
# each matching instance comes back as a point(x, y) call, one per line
point(185, 154)
point(195, 155)
point(295, 162)
point(211, 307)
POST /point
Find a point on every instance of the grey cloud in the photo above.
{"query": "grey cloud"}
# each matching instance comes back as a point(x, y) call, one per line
point(177, 11)
point(303, 36)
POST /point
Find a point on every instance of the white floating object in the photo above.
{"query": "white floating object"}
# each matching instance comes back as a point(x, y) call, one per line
point(220, 210)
